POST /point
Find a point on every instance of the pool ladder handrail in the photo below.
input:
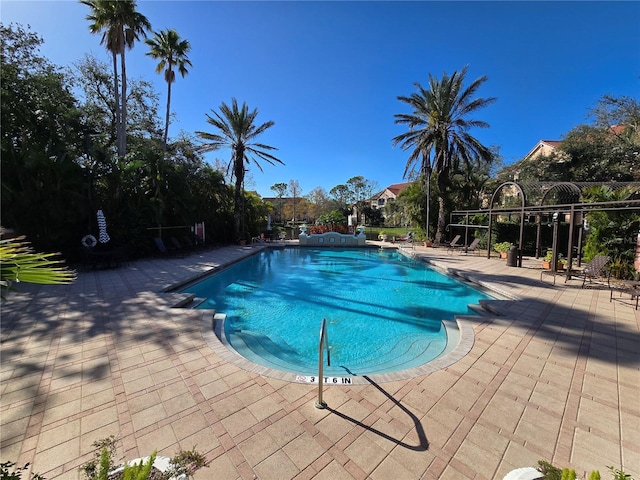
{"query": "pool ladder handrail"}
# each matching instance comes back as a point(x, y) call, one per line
point(322, 344)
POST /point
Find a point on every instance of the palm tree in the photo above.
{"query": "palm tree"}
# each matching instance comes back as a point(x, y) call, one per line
point(438, 131)
point(121, 25)
point(167, 47)
point(237, 131)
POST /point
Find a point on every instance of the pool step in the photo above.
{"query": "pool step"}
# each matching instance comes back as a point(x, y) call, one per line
point(259, 349)
point(488, 307)
point(277, 354)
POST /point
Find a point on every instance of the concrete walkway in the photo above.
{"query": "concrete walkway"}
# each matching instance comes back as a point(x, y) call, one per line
point(554, 375)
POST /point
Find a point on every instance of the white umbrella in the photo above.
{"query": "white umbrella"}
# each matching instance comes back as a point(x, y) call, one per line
point(102, 227)
point(268, 222)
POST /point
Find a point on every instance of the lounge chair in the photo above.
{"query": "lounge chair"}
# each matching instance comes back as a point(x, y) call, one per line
point(259, 239)
point(176, 243)
point(630, 287)
point(164, 250)
point(596, 268)
point(407, 241)
point(473, 246)
point(454, 244)
point(188, 242)
point(193, 241)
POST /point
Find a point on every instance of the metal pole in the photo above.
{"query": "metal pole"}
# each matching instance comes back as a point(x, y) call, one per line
point(554, 245)
point(572, 216)
point(428, 179)
point(323, 334)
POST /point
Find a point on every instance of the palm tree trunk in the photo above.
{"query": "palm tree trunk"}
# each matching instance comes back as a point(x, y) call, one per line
point(116, 92)
point(237, 203)
point(166, 122)
point(442, 222)
point(123, 123)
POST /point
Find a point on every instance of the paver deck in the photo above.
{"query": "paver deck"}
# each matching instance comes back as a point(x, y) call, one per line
point(554, 376)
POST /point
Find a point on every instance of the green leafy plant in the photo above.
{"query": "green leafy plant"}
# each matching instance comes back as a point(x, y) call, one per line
point(187, 462)
point(139, 471)
point(101, 466)
point(550, 472)
point(17, 472)
point(420, 236)
point(19, 263)
point(619, 474)
point(98, 467)
point(568, 474)
point(502, 247)
point(549, 256)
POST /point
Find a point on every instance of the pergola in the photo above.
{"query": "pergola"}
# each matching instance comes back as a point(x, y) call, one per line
point(557, 201)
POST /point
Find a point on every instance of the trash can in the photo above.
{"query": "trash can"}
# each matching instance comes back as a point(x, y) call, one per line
point(512, 256)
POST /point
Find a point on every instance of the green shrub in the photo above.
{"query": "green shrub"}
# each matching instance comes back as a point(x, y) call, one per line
point(502, 247)
point(139, 471)
point(16, 474)
point(98, 467)
point(185, 462)
point(619, 474)
point(550, 472)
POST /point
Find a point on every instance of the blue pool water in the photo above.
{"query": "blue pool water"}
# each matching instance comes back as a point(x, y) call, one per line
point(384, 311)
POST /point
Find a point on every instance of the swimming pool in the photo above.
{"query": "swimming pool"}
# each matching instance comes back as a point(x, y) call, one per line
point(384, 311)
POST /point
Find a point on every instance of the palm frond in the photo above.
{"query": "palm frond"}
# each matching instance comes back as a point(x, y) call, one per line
point(19, 263)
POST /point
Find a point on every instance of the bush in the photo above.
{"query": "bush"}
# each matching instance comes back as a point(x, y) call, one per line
point(16, 474)
point(185, 462)
point(550, 472)
point(502, 247)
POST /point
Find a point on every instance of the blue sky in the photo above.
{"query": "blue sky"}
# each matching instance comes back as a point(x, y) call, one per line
point(329, 73)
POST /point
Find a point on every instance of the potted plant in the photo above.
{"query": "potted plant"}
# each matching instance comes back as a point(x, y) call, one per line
point(421, 237)
point(383, 236)
point(546, 261)
point(502, 248)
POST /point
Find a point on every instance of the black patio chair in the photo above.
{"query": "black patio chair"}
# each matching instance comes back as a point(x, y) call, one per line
point(596, 268)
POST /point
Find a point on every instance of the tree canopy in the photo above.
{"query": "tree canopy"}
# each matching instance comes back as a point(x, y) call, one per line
point(438, 132)
point(236, 129)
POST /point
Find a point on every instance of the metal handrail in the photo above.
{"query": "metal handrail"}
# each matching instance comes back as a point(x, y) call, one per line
point(324, 342)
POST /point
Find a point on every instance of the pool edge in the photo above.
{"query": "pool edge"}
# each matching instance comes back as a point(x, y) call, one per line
point(213, 334)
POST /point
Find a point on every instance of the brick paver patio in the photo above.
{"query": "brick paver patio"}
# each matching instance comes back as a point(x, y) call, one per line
point(553, 374)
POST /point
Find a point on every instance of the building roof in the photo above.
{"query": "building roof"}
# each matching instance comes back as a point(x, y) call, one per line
point(617, 129)
point(554, 144)
point(394, 188)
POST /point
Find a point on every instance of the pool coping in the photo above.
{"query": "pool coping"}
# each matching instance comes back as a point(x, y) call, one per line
point(212, 327)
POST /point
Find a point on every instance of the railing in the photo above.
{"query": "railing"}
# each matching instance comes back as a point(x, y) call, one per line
point(322, 344)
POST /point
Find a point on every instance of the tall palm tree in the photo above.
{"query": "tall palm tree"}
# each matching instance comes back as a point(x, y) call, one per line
point(438, 131)
point(238, 131)
point(167, 47)
point(121, 25)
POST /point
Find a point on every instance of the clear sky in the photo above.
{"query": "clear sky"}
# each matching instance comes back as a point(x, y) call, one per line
point(329, 73)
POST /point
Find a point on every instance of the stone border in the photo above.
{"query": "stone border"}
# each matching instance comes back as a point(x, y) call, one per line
point(463, 338)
